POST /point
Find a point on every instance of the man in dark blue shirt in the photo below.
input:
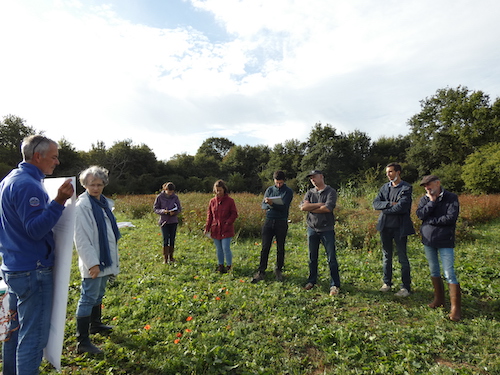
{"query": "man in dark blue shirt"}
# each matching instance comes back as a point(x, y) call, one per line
point(277, 199)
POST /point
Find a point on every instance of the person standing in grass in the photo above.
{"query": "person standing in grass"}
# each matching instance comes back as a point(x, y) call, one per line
point(319, 203)
point(394, 224)
point(168, 206)
point(438, 209)
point(275, 225)
point(221, 216)
point(96, 241)
point(27, 249)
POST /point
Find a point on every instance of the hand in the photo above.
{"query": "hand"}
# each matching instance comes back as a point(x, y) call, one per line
point(94, 271)
point(269, 201)
point(64, 192)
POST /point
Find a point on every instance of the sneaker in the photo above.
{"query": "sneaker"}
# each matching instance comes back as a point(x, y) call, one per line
point(309, 286)
point(385, 288)
point(279, 275)
point(334, 290)
point(403, 292)
point(257, 277)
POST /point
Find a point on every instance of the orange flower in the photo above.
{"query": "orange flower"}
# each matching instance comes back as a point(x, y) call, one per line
point(176, 341)
point(189, 318)
point(227, 291)
point(195, 296)
point(147, 327)
point(115, 318)
point(217, 298)
point(188, 330)
point(242, 281)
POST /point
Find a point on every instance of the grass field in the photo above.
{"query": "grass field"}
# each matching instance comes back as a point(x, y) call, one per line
point(184, 318)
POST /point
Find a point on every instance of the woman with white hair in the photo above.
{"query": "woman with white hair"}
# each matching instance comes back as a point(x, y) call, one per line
point(96, 240)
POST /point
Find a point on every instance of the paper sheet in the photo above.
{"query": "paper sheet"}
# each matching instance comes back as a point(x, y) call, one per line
point(63, 236)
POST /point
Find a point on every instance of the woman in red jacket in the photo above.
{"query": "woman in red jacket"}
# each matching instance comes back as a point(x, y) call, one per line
point(221, 215)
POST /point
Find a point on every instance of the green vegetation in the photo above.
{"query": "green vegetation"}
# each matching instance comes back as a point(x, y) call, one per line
point(184, 318)
point(455, 135)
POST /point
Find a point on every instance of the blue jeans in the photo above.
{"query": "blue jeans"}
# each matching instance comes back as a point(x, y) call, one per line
point(447, 258)
point(327, 238)
point(223, 248)
point(91, 294)
point(168, 231)
point(271, 229)
point(30, 295)
point(387, 236)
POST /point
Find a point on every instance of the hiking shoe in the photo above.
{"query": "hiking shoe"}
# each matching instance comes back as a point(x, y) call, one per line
point(228, 268)
point(309, 286)
point(385, 288)
point(279, 275)
point(403, 292)
point(334, 290)
point(221, 268)
point(257, 277)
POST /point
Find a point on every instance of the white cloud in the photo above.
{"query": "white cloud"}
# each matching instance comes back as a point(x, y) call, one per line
point(89, 74)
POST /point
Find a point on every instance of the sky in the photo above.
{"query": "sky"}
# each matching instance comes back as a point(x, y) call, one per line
point(171, 73)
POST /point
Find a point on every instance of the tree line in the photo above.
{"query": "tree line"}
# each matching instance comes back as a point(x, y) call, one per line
point(456, 135)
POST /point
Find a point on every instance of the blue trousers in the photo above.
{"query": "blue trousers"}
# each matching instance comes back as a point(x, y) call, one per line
point(91, 294)
point(30, 308)
point(327, 238)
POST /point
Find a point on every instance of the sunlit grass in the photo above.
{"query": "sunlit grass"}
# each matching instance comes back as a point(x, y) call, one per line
point(186, 319)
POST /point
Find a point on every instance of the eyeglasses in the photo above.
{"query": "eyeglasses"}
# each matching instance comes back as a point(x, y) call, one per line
point(38, 143)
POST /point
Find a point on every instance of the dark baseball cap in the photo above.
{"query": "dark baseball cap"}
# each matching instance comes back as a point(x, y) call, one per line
point(313, 172)
point(427, 179)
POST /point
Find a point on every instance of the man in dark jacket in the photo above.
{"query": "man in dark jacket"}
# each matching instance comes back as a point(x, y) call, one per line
point(438, 209)
point(319, 203)
point(394, 224)
point(277, 199)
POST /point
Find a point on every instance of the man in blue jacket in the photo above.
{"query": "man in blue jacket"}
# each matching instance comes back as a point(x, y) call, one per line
point(277, 199)
point(395, 225)
point(27, 249)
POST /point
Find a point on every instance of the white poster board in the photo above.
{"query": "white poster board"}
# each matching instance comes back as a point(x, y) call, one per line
point(63, 236)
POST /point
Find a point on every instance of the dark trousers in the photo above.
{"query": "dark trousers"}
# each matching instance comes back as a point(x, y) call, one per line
point(169, 231)
point(388, 236)
point(271, 229)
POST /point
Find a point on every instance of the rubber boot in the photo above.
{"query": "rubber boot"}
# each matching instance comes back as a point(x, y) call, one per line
point(165, 254)
point(96, 326)
point(437, 282)
point(82, 336)
point(171, 254)
point(456, 302)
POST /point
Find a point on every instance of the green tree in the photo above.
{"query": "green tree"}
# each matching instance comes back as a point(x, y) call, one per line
point(481, 172)
point(340, 156)
point(451, 125)
point(249, 161)
point(286, 157)
point(12, 132)
point(215, 147)
point(72, 161)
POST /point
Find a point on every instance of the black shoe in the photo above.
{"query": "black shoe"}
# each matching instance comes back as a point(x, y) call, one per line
point(258, 276)
point(279, 275)
point(221, 268)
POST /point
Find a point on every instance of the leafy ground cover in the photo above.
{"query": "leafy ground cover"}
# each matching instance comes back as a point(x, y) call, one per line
point(184, 318)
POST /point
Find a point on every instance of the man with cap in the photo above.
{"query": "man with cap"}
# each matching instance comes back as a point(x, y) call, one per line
point(276, 203)
point(438, 209)
point(394, 224)
point(319, 203)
